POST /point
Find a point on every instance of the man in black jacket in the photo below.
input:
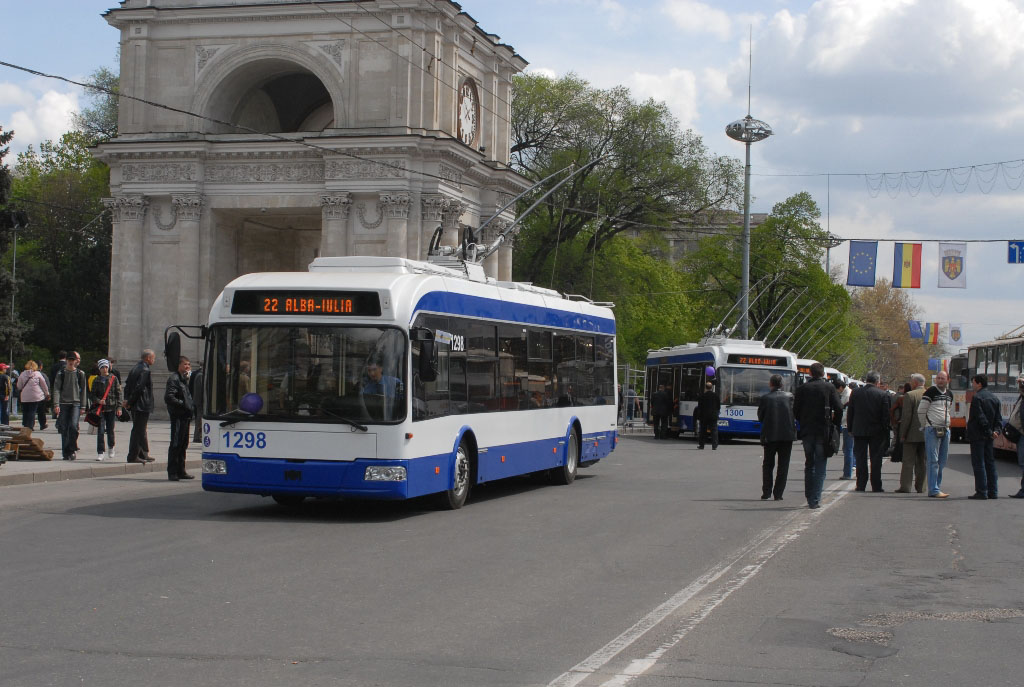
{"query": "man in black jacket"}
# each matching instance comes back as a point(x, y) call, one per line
point(180, 407)
point(983, 425)
point(817, 408)
point(661, 408)
point(868, 419)
point(709, 406)
point(138, 398)
point(778, 432)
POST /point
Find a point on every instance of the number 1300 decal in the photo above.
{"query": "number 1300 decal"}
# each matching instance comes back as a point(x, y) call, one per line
point(245, 439)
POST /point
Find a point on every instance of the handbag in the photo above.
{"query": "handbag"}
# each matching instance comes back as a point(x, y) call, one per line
point(832, 439)
point(92, 416)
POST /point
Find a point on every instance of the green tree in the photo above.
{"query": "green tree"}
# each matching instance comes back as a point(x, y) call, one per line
point(793, 303)
point(65, 252)
point(883, 312)
point(653, 175)
point(12, 328)
point(99, 121)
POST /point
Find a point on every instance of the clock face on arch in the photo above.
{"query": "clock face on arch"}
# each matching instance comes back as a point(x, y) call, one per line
point(468, 112)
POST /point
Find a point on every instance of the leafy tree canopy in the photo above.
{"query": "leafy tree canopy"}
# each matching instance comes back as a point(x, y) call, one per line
point(99, 121)
point(653, 174)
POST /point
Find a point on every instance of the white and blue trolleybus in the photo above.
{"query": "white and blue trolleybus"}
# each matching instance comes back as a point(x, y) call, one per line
point(387, 378)
point(741, 369)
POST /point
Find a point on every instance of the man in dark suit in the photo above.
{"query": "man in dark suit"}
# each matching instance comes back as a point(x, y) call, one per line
point(138, 398)
point(778, 432)
point(661, 408)
point(708, 408)
point(868, 419)
point(817, 407)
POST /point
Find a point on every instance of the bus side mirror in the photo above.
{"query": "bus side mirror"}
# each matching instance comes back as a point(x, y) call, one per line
point(172, 351)
point(428, 353)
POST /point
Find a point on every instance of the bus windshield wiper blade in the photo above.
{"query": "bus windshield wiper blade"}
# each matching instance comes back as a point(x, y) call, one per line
point(346, 420)
point(228, 423)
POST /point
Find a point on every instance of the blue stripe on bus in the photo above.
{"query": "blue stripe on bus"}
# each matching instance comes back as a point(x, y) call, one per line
point(489, 308)
point(682, 358)
point(426, 475)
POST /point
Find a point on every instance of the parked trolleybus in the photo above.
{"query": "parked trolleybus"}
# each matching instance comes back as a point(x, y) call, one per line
point(742, 369)
point(959, 384)
point(386, 378)
point(1000, 361)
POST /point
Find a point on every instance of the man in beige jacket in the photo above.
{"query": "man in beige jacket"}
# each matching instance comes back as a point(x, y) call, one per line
point(912, 436)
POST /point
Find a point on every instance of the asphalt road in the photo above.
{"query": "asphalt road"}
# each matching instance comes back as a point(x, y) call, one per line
point(659, 566)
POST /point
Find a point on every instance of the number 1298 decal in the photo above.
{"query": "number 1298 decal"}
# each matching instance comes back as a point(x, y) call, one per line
point(245, 439)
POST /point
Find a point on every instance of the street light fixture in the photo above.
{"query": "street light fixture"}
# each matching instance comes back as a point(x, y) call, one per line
point(747, 130)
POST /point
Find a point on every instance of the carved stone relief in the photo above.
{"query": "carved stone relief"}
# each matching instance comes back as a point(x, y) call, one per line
point(365, 169)
point(265, 172)
point(336, 205)
point(126, 208)
point(160, 172)
point(396, 205)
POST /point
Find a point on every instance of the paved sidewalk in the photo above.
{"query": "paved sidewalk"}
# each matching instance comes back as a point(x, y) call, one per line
point(86, 465)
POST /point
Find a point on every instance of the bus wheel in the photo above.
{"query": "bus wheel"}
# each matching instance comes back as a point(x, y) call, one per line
point(567, 473)
point(455, 498)
point(288, 500)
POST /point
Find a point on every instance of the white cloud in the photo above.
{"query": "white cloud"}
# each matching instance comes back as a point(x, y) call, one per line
point(36, 117)
point(714, 85)
point(696, 17)
point(677, 88)
point(543, 71)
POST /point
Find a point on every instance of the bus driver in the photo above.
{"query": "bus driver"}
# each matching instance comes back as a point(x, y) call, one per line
point(381, 393)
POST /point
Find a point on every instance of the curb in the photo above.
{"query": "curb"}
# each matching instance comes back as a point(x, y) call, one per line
point(84, 471)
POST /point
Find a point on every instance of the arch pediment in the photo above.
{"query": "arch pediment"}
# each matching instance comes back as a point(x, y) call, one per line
point(272, 87)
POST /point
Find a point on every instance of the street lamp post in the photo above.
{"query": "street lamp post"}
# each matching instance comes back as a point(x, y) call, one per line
point(747, 130)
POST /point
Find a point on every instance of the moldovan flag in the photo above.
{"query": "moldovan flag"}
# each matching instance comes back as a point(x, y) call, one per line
point(931, 332)
point(906, 266)
point(952, 265)
point(956, 336)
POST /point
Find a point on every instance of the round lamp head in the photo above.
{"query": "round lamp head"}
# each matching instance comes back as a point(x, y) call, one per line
point(748, 130)
point(251, 403)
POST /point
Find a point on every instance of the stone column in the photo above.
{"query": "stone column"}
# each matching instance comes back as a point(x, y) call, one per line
point(490, 234)
point(505, 258)
point(126, 266)
point(396, 210)
point(188, 208)
point(335, 208)
point(431, 213)
point(450, 222)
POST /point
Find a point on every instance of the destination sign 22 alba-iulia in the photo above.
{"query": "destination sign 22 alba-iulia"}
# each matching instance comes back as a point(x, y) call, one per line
point(314, 303)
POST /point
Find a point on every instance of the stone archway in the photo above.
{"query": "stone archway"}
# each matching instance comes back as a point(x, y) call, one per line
point(269, 87)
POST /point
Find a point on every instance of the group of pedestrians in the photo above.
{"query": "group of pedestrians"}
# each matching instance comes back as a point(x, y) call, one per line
point(818, 412)
point(107, 400)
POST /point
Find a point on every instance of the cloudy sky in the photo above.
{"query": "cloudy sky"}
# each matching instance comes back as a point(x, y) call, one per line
point(852, 89)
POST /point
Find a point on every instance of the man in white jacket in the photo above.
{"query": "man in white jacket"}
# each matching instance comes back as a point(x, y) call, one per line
point(933, 414)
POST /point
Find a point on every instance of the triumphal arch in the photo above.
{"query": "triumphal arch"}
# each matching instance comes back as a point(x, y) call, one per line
point(270, 132)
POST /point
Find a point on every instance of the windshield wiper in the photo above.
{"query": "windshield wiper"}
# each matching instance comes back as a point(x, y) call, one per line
point(228, 423)
point(344, 419)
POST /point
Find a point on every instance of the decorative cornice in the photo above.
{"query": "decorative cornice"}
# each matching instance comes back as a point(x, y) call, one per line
point(160, 173)
point(126, 208)
point(265, 172)
point(336, 205)
point(396, 205)
point(364, 169)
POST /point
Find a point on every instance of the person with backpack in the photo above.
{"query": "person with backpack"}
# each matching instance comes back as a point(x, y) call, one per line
point(69, 395)
point(105, 392)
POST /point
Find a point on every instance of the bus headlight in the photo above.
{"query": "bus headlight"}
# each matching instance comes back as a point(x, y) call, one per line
point(214, 467)
point(384, 473)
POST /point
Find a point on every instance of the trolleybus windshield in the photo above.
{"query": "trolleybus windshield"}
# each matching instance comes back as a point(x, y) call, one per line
point(293, 373)
point(746, 385)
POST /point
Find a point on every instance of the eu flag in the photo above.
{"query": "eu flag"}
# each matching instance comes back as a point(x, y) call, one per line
point(915, 329)
point(863, 256)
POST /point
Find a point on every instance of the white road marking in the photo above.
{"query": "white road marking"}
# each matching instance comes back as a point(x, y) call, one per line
point(761, 549)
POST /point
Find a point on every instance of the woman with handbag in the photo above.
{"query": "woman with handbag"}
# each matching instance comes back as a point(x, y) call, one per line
point(33, 392)
point(1013, 430)
point(105, 394)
